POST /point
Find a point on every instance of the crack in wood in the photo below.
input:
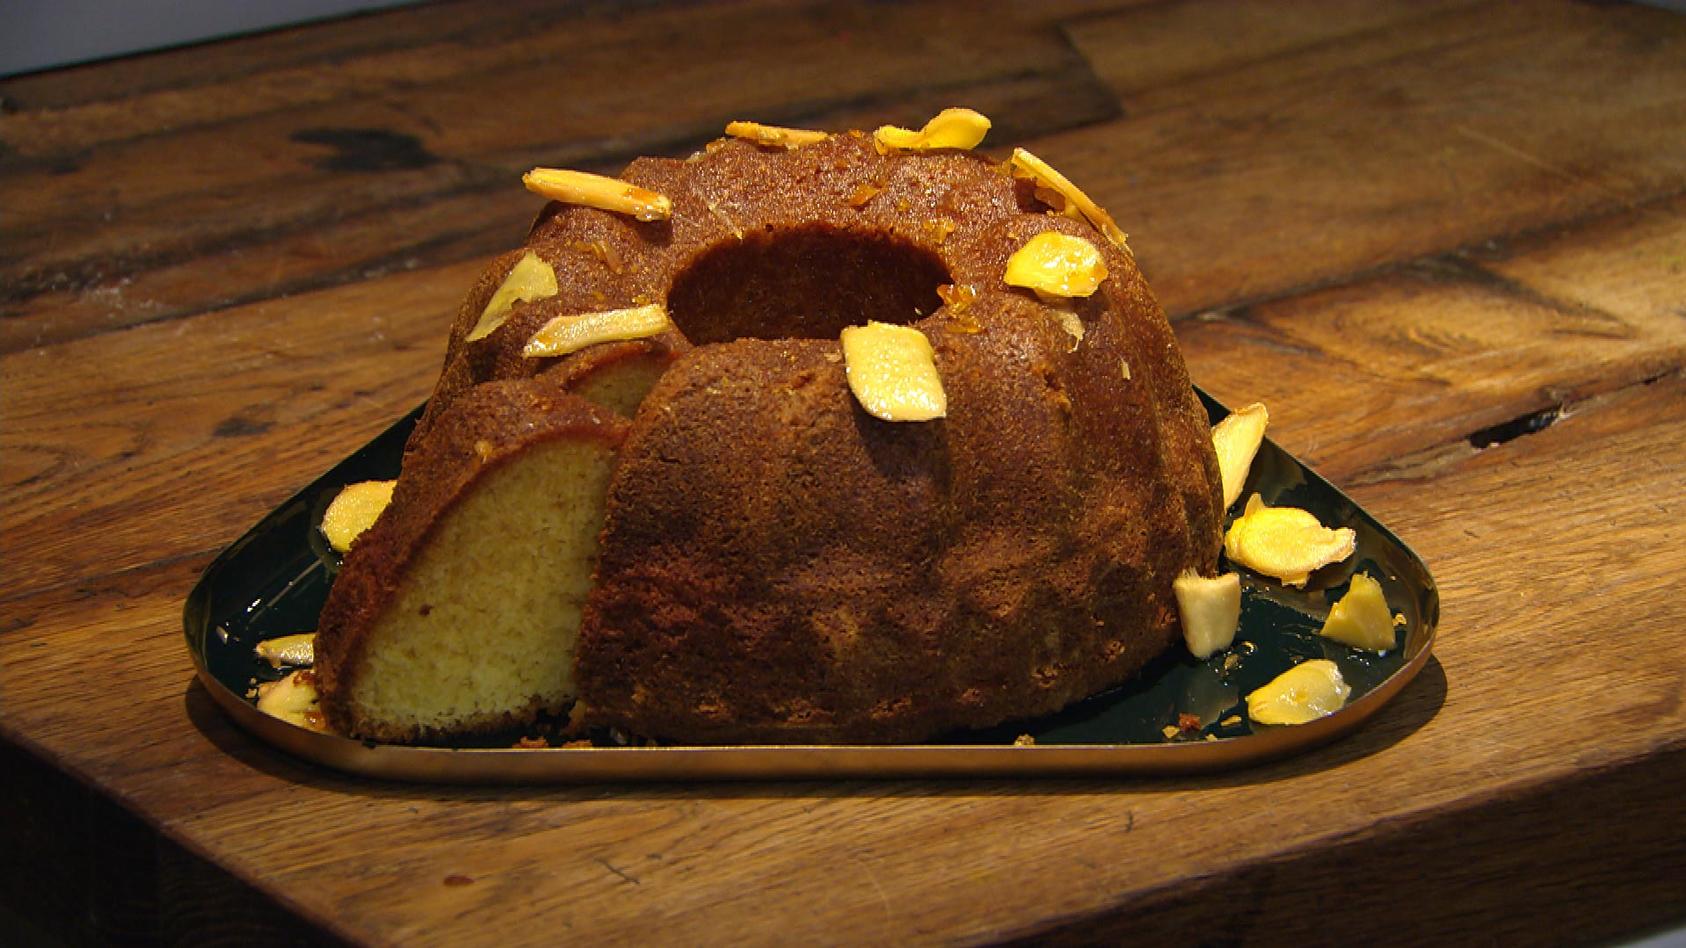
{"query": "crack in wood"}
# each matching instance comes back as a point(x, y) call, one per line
point(241, 426)
point(366, 149)
point(627, 876)
point(1425, 463)
point(1525, 424)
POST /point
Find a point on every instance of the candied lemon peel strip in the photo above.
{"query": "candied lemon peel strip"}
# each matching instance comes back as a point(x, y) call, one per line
point(354, 510)
point(1058, 191)
point(775, 135)
point(1304, 693)
point(1210, 610)
point(295, 650)
point(1236, 440)
point(892, 371)
point(567, 334)
point(1056, 265)
point(1361, 618)
point(1285, 542)
point(529, 279)
point(599, 191)
point(951, 128)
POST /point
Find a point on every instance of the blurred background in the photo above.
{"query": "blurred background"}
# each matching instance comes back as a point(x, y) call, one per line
point(41, 34)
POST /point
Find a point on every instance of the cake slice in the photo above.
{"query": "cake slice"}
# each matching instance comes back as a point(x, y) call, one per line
point(618, 375)
point(459, 610)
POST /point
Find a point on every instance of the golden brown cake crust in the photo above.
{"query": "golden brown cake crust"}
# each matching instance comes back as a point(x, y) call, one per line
point(810, 573)
point(776, 565)
point(486, 428)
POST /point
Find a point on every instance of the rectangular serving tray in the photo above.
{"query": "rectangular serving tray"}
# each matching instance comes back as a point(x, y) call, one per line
point(273, 581)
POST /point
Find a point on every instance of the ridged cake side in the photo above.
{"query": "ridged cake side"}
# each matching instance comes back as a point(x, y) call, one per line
point(778, 566)
point(819, 575)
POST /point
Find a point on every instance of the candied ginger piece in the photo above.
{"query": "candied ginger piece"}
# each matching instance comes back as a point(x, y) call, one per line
point(892, 372)
point(599, 191)
point(951, 128)
point(354, 510)
point(1285, 542)
point(1056, 265)
point(294, 650)
point(293, 699)
point(566, 334)
point(530, 279)
point(1361, 618)
point(1210, 610)
point(1306, 692)
point(1236, 440)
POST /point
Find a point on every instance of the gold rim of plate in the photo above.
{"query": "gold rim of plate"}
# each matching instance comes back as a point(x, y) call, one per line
point(801, 761)
point(289, 555)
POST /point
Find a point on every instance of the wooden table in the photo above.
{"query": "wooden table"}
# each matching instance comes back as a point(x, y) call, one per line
point(1445, 242)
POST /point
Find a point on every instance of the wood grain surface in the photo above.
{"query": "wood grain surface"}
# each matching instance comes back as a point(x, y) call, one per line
point(1444, 242)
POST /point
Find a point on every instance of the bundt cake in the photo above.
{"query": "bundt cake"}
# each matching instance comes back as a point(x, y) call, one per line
point(696, 529)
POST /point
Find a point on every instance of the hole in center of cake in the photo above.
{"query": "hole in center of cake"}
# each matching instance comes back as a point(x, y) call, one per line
point(804, 283)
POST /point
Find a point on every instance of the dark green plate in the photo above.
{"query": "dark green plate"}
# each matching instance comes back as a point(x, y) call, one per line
point(273, 580)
